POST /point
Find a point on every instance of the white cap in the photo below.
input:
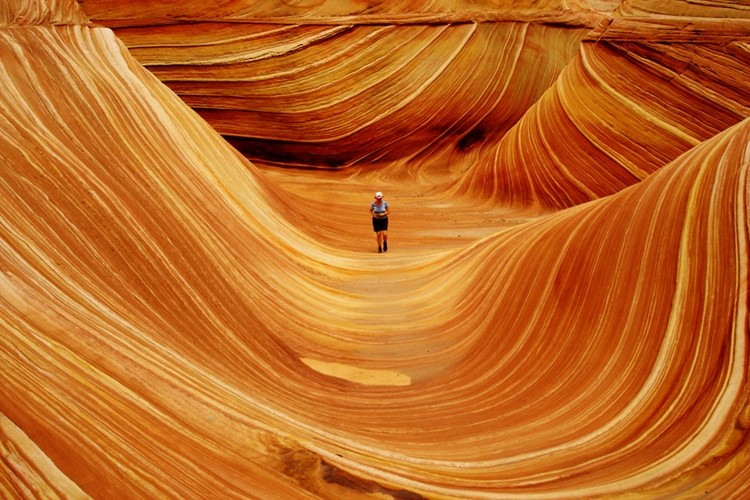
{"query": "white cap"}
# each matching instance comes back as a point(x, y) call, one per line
point(378, 195)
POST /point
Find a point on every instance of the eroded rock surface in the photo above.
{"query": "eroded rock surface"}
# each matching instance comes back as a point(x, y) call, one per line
point(562, 313)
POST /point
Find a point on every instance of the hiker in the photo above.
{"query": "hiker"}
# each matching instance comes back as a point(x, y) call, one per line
point(379, 209)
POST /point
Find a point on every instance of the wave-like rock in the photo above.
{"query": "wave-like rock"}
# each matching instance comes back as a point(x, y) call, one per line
point(177, 322)
point(686, 8)
point(325, 11)
point(41, 12)
point(589, 112)
point(339, 84)
point(341, 95)
point(618, 112)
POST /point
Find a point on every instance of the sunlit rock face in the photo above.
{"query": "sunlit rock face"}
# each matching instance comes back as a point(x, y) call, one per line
point(562, 312)
point(47, 12)
point(619, 111)
point(354, 10)
point(323, 85)
point(336, 84)
point(686, 8)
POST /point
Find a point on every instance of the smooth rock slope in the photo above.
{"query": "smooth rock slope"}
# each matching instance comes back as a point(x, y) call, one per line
point(562, 314)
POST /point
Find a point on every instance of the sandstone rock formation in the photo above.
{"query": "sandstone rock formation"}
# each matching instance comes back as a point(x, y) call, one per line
point(563, 312)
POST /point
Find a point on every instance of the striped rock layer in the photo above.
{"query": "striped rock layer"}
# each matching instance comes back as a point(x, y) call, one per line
point(562, 313)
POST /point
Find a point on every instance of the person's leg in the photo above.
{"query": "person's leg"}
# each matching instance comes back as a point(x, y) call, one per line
point(376, 229)
point(380, 240)
point(385, 241)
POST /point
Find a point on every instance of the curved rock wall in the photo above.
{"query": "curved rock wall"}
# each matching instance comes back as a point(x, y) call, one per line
point(686, 8)
point(47, 12)
point(618, 112)
point(343, 95)
point(562, 312)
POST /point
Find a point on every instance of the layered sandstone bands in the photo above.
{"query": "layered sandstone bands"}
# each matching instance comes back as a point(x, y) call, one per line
point(178, 322)
point(440, 96)
point(339, 95)
point(40, 12)
point(614, 117)
point(112, 12)
point(686, 8)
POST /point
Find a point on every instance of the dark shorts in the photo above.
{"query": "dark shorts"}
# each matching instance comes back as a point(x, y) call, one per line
point(380, 224)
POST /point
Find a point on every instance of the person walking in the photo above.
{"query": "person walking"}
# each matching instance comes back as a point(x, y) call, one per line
point(379, 209)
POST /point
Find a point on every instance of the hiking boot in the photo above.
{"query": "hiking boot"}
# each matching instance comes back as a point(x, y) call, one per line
point(385, 246)
point(380, 250)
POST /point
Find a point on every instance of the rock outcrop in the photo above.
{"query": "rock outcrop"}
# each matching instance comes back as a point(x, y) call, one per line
point(563, 311)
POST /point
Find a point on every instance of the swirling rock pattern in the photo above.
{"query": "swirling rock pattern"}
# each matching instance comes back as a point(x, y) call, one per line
point(563, 312)
point(614, 117)
point(686, 8)
point(341, 95)
point(46, 12)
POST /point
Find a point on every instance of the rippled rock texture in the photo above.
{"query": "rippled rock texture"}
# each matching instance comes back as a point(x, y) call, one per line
point(186, 313)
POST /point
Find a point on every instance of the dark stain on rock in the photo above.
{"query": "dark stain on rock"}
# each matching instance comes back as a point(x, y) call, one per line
point(472, 137)
point(332, 474)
